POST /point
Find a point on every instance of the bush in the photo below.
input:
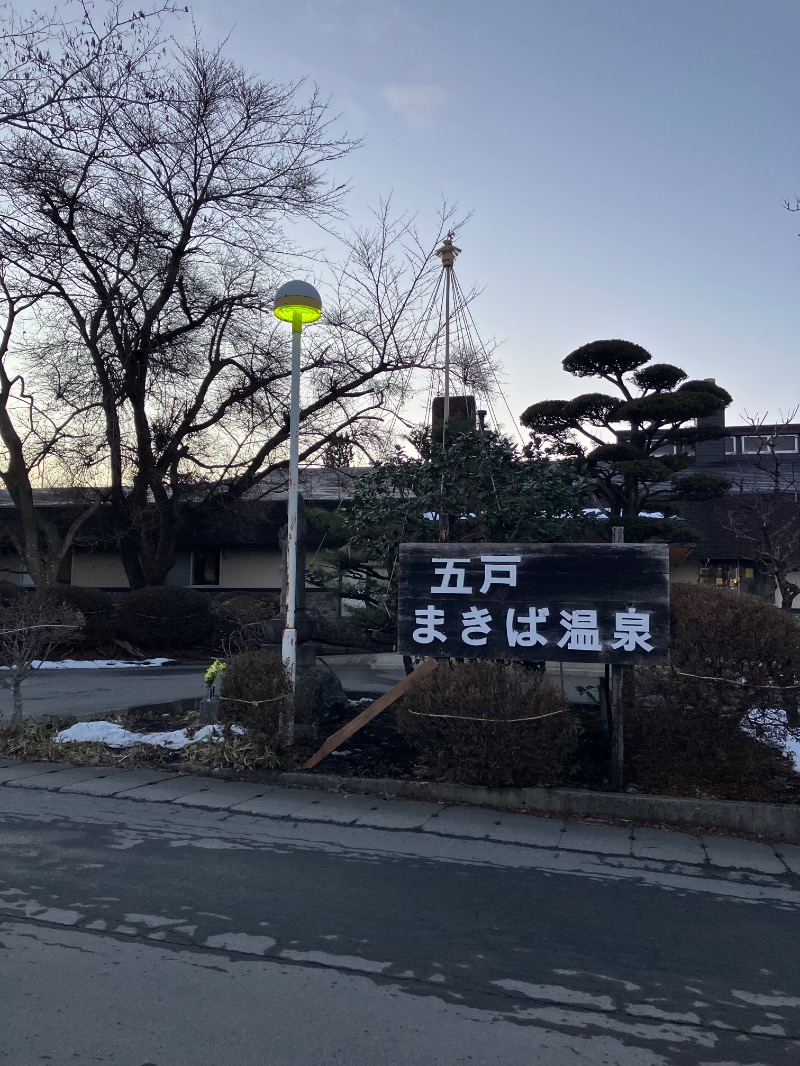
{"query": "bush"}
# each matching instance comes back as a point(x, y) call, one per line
point(97, 608)
point(683, 733)
point(238, 621)
point(500, 752)
point(245, 609)
point(255, 692)
point(166, 617)
point(9, 591)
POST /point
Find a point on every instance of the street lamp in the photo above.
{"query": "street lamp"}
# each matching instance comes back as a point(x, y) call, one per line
point(299, 303)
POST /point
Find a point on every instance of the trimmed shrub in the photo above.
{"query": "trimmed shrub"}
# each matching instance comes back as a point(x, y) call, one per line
point(238, 621)
point(732, 656)
point(165, 616)
point(97, 608)
point(478, 740)
point(255, 692)
point(244, 609)
point(9, 591)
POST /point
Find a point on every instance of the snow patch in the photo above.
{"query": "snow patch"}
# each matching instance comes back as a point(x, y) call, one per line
point(94, 664)
point(115, 736)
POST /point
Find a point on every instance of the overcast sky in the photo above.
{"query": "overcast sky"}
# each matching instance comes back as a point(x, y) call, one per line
point(626, 161)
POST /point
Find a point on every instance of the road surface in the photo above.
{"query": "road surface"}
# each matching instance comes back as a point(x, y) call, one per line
point(198, 923)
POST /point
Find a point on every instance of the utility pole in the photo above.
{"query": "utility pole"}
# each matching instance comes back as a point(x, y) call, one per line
point(447, 253)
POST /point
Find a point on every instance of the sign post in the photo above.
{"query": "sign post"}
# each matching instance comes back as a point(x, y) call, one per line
point(597, 603)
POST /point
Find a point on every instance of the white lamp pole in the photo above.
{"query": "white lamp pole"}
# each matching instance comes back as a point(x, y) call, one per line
point(299, 303)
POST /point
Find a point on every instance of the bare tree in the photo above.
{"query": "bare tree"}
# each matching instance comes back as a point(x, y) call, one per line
point(765, 511)
point(150, 217)
point(31, 627)
point(32, 438)
point(50, 59)
point(54, 65)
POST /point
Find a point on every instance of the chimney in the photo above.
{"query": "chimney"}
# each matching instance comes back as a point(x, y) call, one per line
point(462, 416)
point(711, 452)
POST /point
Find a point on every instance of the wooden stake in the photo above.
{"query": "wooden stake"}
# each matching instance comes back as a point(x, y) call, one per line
point(374, 709)
point(616, 721)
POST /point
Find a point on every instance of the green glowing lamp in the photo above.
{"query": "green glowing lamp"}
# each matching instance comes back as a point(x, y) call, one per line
point(297, 302)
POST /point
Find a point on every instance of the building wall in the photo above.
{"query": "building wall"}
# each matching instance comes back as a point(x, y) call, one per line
point(181, 572)
point(10, 570)
point(98, 570)
point(685, 574)
point(238, 569)
point(250, 569)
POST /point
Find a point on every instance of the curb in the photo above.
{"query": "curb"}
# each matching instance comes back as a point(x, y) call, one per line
point(763, 821)
point(773, 822)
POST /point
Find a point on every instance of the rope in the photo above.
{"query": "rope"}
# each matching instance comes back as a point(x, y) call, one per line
point(491, 721)
point(471, 319)
point(738, 684)
point(253, 703)
point(43, 625)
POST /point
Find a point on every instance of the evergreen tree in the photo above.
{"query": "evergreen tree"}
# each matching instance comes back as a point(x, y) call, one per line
point(632, 445)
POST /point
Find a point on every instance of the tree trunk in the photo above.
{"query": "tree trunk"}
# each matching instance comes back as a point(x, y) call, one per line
point(147, 539)
point(789, 592)
point(16, 713)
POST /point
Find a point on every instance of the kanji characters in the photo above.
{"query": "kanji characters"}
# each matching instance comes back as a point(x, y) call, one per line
point(476, 625)
point(582, 633)
point(632, 630)
point(523, 638)
point(428, 618)
point(453, 576)
point(499, 570)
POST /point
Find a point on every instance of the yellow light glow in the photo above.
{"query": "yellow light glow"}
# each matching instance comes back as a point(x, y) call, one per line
point(296, 307)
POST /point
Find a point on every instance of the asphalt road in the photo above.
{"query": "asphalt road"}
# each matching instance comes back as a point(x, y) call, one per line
point(92, 693)
point(146, 934)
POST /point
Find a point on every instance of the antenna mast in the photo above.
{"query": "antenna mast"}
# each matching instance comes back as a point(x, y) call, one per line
point(447, 253)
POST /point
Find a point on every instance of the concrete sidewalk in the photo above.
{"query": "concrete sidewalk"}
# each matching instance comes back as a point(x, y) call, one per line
point(647, 848)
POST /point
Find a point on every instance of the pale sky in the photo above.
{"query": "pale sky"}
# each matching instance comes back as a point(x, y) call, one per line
point(626, 162)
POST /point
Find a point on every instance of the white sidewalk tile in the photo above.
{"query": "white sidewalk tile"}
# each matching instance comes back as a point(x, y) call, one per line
point(667, 846)
point(606, 839)
point(736, 854)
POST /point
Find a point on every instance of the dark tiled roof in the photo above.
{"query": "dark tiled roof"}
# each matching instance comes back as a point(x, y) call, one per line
point(710, 524)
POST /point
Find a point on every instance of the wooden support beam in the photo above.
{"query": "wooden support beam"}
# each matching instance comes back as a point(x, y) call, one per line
point(374, 709)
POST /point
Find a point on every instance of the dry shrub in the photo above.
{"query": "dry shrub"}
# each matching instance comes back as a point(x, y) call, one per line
point(245, 608)
point(255, 693)
point(98, 610)
point(32, 626)
point(683, 734)
point(239, 621)
point(500, 752)
point(165, 617)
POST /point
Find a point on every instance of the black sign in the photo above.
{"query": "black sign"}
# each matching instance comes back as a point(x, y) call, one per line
point(604, 603)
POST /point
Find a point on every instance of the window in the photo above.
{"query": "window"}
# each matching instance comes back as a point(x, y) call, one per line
point(730, 445)
point(205, 567)
point(781, 442)
point(674, 449)
point(728, 575)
